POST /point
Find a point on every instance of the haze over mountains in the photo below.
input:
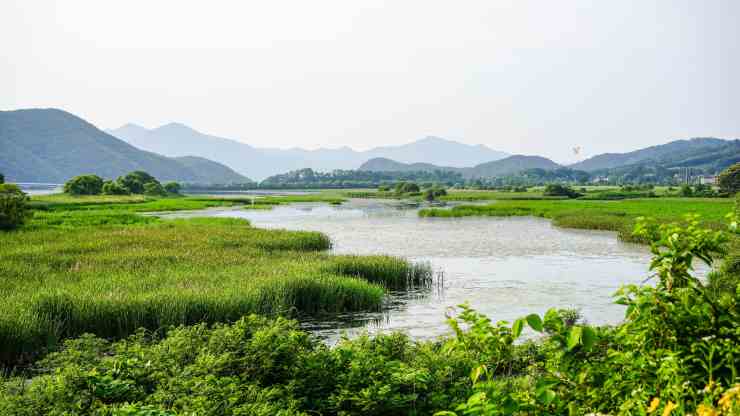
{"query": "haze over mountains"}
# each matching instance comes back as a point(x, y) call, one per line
point(176, 139)
point(49, 145)
point(506, 166)
point(706, 153)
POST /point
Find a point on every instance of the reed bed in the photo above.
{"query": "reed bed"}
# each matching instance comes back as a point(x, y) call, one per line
point(61, 282)
point(391, 272)
point(616, 216)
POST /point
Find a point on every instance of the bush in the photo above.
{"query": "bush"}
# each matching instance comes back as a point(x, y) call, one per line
point(560, 190)
point(407, 188)
point(114, 188)
point(172, 188)
point(136, 180)
point(14, 210)
point(154, 189)
point(84, 185)
point(729, 180)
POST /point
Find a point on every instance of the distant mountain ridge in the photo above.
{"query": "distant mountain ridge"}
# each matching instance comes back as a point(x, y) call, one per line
point(51, 145)
point(506, 166)
point(664, 153)
point(176, 139)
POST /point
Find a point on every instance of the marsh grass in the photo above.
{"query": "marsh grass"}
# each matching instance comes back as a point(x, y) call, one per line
point(618, 216)
point(60, 282)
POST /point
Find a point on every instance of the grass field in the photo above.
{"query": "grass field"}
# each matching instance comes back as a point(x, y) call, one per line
point(96, 265)
point(616, 216)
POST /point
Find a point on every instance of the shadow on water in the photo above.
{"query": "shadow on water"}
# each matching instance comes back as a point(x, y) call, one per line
point(330, 327)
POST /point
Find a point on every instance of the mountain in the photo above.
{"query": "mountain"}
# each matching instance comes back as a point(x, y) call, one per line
point(664, 153)
point(381, 164)
point(50, 145)
point(507, 166)
point(176, 139)
point(437, 151)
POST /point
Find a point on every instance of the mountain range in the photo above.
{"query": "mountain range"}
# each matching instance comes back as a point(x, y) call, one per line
point(506, 166)
point(706, 153)
point(50, 145)
point(177, 139)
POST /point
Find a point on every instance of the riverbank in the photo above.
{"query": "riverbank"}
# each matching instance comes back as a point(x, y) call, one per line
point(618, 216)
point(96, 265)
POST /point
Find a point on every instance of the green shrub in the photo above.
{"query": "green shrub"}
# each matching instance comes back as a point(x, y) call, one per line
point(154, 189)
point(729, 180)
point(84, 185)
point(560, 190)
point(407, 188)
point(14, 209)
point(136, 180)
point(114, 188)
point(172, 188)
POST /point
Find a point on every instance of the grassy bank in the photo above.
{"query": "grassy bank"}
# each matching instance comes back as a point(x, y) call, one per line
point(97, 265)
point(61, 210)
point(616, 216)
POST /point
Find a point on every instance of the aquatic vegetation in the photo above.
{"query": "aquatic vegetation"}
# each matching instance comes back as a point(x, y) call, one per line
point(60, 282)
point(616, 216)
point(675, 354)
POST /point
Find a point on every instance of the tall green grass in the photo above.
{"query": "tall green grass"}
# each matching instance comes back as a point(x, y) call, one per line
point(61, 282)
point(616, 216)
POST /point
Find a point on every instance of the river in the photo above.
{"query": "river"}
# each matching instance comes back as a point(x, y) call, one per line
point(504, 267)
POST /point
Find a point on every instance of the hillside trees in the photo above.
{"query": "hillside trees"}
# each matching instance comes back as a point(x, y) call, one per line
point(729, 180)
point(84, 185)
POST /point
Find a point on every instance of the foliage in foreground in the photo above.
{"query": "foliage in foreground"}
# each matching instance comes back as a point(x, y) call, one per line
point(59, 282)
point(676, 353)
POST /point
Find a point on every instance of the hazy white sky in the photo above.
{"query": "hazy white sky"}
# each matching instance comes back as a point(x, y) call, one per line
point(533, 77)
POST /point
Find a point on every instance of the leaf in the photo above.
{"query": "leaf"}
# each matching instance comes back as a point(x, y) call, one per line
point(588, 337)
point(475, 374)
point(516, 329)
point(546, 396)
point(535, 322)
point(574, 337)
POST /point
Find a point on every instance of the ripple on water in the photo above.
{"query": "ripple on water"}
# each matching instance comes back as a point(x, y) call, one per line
point(503, 267)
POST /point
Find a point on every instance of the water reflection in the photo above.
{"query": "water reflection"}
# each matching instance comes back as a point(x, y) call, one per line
point(504, 267)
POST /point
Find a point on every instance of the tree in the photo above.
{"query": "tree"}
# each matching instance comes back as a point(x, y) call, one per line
point(560, 190)
point(154, 189)
point(136, 180)
point(406, 187)
point(729, 179)
point(2, 178)
point(172, 188)
point(84, 185)
point(114, 188)
point(429, 195)
point(14, 210)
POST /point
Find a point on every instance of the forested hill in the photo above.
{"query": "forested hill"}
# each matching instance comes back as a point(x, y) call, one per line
point(51, 145)
point(665, 154)
point(507, 166)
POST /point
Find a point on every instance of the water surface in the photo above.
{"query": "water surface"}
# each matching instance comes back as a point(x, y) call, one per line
point(503, 267)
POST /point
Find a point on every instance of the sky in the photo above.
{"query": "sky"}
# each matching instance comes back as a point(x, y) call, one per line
point(528, 77)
